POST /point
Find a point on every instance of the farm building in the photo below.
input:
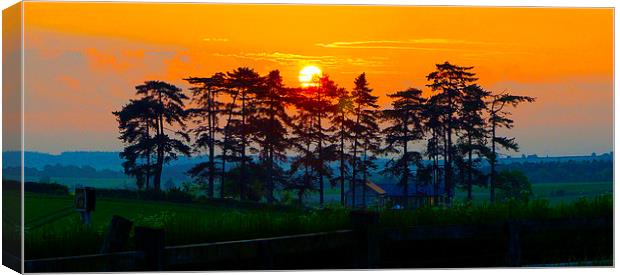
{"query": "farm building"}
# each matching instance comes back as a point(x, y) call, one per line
point(374, 196)
point(417, 196)
point(392, 195)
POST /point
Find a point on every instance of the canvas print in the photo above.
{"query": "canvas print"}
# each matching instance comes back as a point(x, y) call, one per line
point(198, 137)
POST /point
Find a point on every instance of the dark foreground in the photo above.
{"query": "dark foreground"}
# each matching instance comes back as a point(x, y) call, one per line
point(574, 241)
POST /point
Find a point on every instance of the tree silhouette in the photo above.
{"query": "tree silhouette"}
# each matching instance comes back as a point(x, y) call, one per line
point(249, 117)
point(473, 132)
point(500, 118)
point(205, 93)
point(246, 83)
point(406, 122)
point(322, 106)
point(435, 146)
point(364, 129)
point(302, 172)
point(161, 104)
point(450, 81)
point(136, 120)
point(341, 127)
point(270, 131)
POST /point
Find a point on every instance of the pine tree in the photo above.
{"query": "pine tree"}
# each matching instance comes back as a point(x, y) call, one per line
point(435, 146)
point(163, 104)
point(472, 134)
point(136, 120)
point(500, 118)
point(303, 168)
point(364, 130)
point(406, 120)
point(270, 131)
point(341, 127)
point(246, 83)
point(449, 80)
point(206, 92)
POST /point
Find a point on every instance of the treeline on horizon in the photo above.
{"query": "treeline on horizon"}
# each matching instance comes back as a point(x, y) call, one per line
point(536, 172)
point(242, 113)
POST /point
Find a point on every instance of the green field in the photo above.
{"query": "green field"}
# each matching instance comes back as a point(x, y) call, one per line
point(53, 227)
point(553, 192)
point(184, 223)
point(108, 183)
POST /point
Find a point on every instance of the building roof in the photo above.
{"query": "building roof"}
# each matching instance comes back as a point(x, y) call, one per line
point(371, 187)
point(375, 187)
point(395, 190)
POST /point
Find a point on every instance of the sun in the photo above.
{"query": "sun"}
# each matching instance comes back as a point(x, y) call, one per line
point(308, 76)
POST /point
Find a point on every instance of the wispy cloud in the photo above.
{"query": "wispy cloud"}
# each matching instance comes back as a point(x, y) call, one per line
point(215, 39)
point(428, 44)
point(324, 60)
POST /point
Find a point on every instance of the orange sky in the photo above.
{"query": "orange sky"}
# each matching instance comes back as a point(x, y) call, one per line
point(82, 60)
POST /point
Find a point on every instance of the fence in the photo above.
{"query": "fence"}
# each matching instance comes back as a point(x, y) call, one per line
point(360, 247)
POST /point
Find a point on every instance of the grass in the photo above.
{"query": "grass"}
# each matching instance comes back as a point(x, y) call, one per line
point(476, 213)
point(195, 223)
point(72, 182)
point(555, 193)
point(183, 223)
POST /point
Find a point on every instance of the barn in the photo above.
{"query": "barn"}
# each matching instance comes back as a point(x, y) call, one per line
point(367, 195)
point(392, 195)
point(417, 196)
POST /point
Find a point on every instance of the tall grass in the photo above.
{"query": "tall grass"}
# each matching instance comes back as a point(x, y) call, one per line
point(196, 225)
point(70, 237)
point(464, 213)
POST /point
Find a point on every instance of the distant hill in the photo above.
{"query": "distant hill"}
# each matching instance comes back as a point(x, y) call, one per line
point(107, 166)
point(537, 159)
point(97, 160)
point(112, 160)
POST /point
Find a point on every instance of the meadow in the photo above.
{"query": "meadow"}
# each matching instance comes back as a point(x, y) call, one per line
point(187, 223)
point(555, 193)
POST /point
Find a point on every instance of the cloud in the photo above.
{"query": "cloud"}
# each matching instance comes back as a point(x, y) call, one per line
point(102, 61)
point(70, 82)
point(427, 44)
point(324, 60)
point(215, 39)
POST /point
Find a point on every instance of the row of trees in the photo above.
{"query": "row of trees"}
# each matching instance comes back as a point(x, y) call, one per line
point(252, 126)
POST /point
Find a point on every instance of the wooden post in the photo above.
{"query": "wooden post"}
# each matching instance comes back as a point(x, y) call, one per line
point(366, 227)
point(117, 236)
point(265, 255)
point(513, 253)
point(85, 201)
point(151, 242)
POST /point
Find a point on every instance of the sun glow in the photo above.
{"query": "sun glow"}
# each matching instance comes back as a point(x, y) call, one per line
point(308, 76)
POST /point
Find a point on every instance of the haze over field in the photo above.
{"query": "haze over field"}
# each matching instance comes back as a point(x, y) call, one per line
point(84, 59)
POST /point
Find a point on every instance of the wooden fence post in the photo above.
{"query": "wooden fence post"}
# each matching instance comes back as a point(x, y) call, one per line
point(366, 227)
point(117, 236)
point(265, 255)
point(513, 253)
point(151, 242)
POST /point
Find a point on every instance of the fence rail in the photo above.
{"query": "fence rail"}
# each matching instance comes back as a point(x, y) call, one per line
point(365, 238)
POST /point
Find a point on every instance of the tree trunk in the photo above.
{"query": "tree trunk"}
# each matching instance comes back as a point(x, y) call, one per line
point(270, 161)
point(364, 178)
point(354, 164)
point(148, 156)
point(320, 148)
point(211, 122)
point(342, 172)
point(225, 147)
point(405, 176)
point(242, 189)
point(469, 170)
point(160, 149)
point(492, 187)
